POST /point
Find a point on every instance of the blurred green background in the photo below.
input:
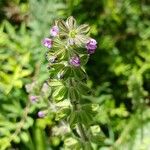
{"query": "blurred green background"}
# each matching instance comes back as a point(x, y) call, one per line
point(119, 71)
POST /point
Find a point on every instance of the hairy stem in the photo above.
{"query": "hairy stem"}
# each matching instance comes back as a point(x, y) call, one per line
point(79, 125)
point(82, 132)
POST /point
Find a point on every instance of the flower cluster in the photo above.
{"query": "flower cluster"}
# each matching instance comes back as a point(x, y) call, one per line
point(69, 48)
point(72, 36)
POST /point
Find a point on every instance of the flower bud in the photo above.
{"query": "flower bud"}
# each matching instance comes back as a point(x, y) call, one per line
point(47, 42)
point(91, 46)
point(75, 61)
point(54, 31)
point(33, 98)
point(41, 114)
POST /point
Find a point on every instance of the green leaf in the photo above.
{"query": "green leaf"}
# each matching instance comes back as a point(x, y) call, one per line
point(55, 141)
point(73, 94)
point(24, 137)
point(10, 29)
point(4, 143)
point(28, 123)
point(16, 138)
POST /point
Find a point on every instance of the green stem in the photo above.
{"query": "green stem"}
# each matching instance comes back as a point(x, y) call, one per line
point(79, 125)
point(76, 106)
point(82, 132)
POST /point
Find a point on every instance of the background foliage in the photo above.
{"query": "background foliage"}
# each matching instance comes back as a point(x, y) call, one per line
point(119, 72)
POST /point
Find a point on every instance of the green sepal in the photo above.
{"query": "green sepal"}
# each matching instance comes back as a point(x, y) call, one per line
point(83, 88)
point(54, 69)
point(86, 113)
point(98, 139)
point(62, 113)
point(79, 73)
point(59, 53)
point(84, 59)
point(54, 83)
point(57, 66)
point(84, 118)
point(71, 143)
point(68, 72)
point(71, 22)
point(58, 44)
point(87, 146)
point(73, 119)
point(73, 94)
point(96, 136)
point(90, 109)
point(63, 28)
point(59, 93)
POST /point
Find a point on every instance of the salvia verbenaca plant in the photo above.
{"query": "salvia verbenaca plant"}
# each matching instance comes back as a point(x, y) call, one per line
point(69, 48)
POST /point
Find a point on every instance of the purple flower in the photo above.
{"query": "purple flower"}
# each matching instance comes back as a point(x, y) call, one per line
point(91, 46)
point(41, 114)
point(33, 98)
point(75, 61)
point(47, 42)
point(54, 31)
